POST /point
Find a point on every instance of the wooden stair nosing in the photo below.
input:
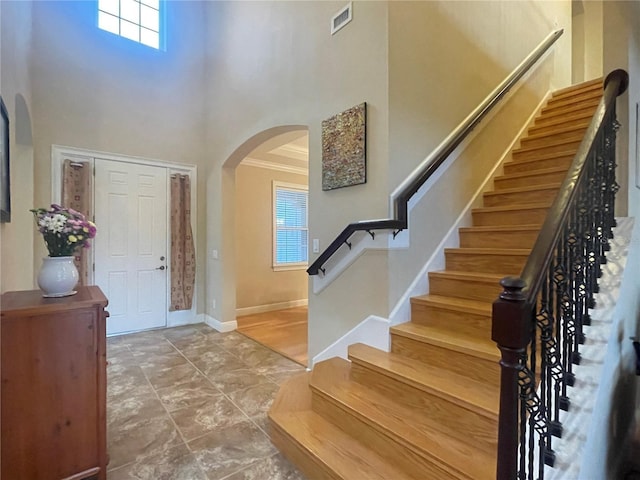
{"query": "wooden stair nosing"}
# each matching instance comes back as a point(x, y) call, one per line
point(361, 403)
point(484, 349)
point(520, 252)
point(446, 385)
point(500, 228)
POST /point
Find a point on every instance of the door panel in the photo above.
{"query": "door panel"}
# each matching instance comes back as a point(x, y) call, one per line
point(131, 214)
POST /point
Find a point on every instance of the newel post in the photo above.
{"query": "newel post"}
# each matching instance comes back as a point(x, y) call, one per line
point(510, 329)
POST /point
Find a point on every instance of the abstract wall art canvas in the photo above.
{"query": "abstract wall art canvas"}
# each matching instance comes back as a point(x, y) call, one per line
point(344, 148)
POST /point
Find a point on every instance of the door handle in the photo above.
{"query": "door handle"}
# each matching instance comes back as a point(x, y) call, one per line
point(161, 267)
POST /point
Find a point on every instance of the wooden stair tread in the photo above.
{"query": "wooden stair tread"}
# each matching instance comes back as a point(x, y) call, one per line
point(476, 396)
point(489, 278)
point(577, 129)
point(557, 143)
point(455, 303)
point(334, 449)
point(490, 251)
point(588, 84)
point(417, 432)
point(476, 347)
point(570, 152)
point(560, 119)
point(501, 228)
point(532, 173)
point(528, 188)
point(549, 127)
point(560, 110)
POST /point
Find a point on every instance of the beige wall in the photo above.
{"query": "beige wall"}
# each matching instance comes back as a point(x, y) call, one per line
point(621, 45)
point(587, 35)
point(17, 237)
point(275, 64)
point(257, 283)
point(94, 90)
point(444, 59)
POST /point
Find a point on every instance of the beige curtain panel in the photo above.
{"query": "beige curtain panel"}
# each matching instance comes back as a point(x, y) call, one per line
point(77, 188)
point(183, 263)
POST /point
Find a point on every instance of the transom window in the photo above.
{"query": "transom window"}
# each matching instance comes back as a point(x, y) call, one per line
point(290, 227)
point(137, 20)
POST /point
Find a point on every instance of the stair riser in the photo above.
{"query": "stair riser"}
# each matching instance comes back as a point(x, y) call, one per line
point(300, 457)
point(515, 217)
point(528, 142)
point(503, 264)
point(457, 362)
point(554, 114)
point(520, 167)
point(390, 447)
point(519, 198)
point(459, 422)
point(581, 121)
point(454, 321)
point(572, 90)
point(576, 97)
point(500, 183)
point(569, 106)
point(510, 239)
point(569, 148)
point(460, 288)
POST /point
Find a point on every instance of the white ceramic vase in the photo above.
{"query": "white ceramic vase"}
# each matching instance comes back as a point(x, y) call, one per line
point(58, 276)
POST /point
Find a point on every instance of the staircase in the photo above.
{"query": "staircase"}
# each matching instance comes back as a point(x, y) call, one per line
point(429, 408)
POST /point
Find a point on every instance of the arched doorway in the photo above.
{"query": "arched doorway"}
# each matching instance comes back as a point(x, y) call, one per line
point(269, 202)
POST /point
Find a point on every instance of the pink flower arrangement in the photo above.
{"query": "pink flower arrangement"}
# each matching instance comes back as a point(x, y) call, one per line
point(64, 230)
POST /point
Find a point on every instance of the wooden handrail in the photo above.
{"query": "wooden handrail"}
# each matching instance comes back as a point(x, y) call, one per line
point(615, 84)
point(412, 184)
point(561, 270)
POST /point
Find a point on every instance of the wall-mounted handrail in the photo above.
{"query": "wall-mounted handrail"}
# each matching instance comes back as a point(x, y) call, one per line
point(423, 172)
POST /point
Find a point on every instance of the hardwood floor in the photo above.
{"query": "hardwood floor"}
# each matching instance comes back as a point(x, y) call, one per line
point(284, 331)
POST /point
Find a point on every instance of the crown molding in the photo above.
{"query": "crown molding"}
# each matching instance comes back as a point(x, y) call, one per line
point(254, 162)
point(292, 151)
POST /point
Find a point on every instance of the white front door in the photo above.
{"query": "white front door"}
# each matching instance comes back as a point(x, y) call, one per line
point(131, 245)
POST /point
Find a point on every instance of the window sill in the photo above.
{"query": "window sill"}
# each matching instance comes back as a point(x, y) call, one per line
point(285, 268)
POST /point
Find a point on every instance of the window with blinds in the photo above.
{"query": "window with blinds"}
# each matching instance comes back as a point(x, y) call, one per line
point(290, 228)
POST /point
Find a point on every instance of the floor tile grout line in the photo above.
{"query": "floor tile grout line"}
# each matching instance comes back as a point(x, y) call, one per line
point(233, 351)
point(223, 393)
point(228, 398)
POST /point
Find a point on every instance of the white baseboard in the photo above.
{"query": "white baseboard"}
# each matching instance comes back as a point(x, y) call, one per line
point(240, 312)
point(217, 324)
point(373, 331)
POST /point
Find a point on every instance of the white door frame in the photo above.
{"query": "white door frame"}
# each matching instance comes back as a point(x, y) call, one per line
point(60, 153)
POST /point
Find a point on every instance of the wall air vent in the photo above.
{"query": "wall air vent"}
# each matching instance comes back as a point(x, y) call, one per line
point(341, 18)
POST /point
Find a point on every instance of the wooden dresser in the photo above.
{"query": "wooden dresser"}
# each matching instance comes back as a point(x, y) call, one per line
point(53, 391)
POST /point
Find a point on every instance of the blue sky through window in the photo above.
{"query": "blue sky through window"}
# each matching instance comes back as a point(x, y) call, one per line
point(137, 20)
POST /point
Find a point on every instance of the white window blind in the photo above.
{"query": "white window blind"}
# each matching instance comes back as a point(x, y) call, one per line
point(137, 20)
point(291, 234)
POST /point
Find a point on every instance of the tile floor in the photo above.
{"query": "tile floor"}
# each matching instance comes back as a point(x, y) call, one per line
point(190, 403)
